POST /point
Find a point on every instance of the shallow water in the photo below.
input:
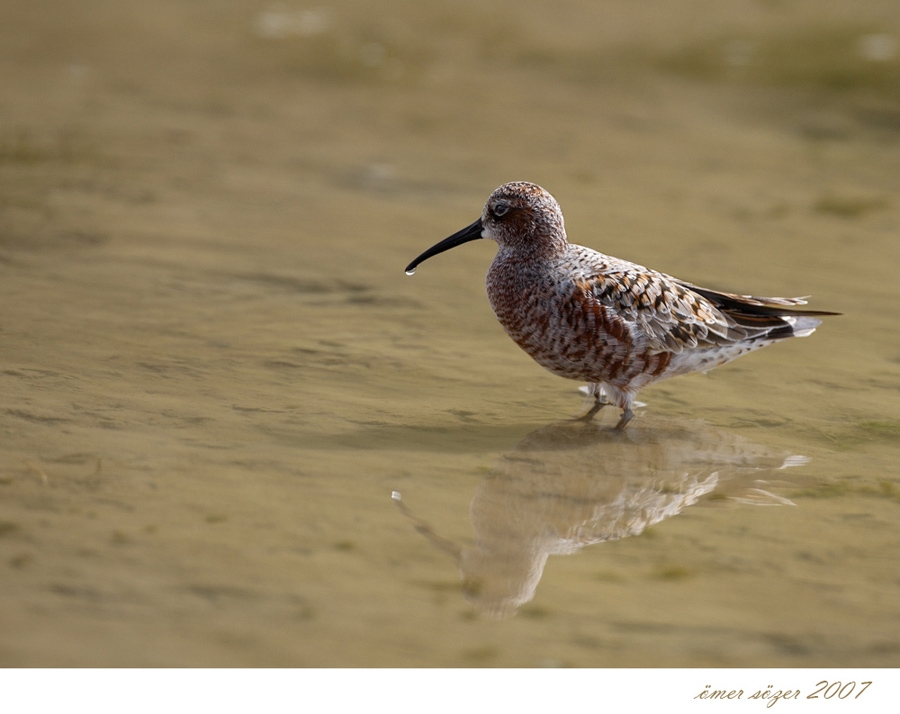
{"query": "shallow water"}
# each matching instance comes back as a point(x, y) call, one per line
point(215, 372)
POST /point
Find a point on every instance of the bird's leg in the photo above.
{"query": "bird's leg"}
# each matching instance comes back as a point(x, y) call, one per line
point(595, 407)
point(609, 394)
point(600, 401)
point(627, 416)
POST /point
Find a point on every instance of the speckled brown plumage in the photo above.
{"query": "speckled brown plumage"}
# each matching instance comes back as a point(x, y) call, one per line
point(617, 325)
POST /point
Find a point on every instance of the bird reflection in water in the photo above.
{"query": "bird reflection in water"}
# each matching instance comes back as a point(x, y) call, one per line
point(575, 483)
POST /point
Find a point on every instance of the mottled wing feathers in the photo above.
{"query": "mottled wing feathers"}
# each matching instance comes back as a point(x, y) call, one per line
point(672, 315)
point(658, 312)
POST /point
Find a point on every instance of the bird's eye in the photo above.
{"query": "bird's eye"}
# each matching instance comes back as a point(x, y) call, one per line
point(500, 210)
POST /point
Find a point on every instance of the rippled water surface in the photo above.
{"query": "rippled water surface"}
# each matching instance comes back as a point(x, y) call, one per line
point(215, 373)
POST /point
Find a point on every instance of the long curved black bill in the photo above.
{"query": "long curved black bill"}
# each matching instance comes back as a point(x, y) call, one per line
point(468, 233)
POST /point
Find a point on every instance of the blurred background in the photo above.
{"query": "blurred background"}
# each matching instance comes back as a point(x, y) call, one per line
point(215, 371)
